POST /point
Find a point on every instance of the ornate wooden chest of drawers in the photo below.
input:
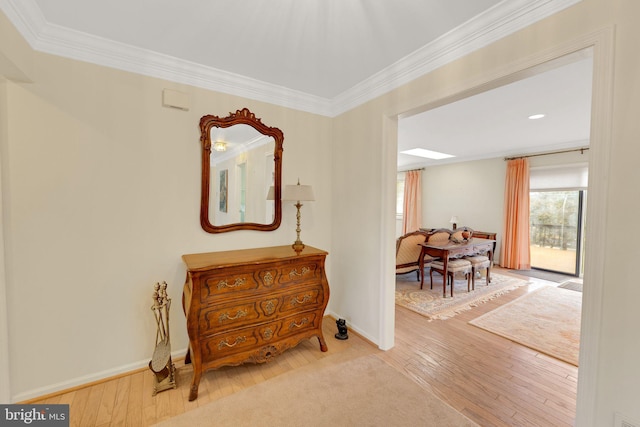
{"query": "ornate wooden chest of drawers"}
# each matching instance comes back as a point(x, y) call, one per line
point(251, 305)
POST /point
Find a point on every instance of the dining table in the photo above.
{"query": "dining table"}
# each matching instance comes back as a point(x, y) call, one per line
point(450, 250)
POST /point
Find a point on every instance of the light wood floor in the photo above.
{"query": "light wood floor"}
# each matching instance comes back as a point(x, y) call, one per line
point(491, 380)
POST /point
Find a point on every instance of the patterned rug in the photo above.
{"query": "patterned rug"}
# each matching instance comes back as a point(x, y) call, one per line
point(429, 302)
point(546, 320)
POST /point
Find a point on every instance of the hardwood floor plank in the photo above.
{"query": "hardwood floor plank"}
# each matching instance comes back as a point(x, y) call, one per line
point(134, 406)
point(107, 403)
point(488, 378)
point(93, 401)
point(121, 403)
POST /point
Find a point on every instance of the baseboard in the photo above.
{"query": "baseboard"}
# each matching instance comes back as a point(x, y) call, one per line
point(353, 328)
point(111, 374)
point(87, 380)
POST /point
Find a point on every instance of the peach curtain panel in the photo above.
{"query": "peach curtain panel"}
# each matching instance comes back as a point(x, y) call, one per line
point(412, 204)
point(515, 241)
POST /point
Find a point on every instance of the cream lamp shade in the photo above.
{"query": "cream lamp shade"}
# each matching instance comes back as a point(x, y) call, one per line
point(302, 193)
point(271, 194)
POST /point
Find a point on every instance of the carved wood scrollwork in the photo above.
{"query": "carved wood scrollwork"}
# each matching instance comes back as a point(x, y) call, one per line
point(240, 117)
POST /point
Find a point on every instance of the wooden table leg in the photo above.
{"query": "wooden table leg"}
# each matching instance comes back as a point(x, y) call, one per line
point(422, 267)
point(445, 278)
point(490, 253)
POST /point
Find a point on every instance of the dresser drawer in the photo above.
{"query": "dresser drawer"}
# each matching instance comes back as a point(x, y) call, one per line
point(238, 313)
point(251, 305)
point(259, 278)
point(241, 340)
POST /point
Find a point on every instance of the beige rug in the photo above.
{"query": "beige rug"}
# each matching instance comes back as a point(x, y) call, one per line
point(429, 302)
point(546, 320)
point(360, 392)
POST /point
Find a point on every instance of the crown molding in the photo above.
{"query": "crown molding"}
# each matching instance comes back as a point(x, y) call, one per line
point(495, 23)
point(499, 21)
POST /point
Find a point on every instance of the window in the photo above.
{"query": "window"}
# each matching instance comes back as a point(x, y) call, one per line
point(556, 217)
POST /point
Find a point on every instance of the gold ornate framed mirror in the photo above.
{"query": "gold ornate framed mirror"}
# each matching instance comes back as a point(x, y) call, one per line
point(241, 173)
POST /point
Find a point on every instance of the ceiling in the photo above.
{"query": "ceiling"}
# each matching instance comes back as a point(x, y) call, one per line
point(495, 123)
point(325, 57)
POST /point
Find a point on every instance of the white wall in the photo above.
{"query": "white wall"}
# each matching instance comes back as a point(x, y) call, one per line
point(5, 386)
point(364, 223)
point(100, 196)
point(474, 192)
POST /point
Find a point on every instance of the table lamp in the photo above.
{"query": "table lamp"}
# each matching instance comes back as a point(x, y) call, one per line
point(298, 193)
point(454, 221)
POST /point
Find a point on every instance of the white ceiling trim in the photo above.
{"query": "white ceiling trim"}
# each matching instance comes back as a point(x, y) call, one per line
point(499, 21)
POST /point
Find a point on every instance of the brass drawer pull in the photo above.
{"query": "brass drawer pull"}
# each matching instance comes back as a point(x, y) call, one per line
point(226, 316)
point(224, 284)
point(305, 299)
point(224, 342)
point(268, 279)
point(294, 272)
point(298, 325)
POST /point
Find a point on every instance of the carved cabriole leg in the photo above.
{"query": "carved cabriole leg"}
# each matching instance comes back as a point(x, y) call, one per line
point(195, 383)
point(323, 343)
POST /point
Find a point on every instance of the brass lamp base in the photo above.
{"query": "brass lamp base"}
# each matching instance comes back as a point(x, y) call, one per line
point(298, 246)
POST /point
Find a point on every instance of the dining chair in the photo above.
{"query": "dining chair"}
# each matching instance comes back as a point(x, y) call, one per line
point(443, 235)
point(454, 266)
point(440, 235)
point(408, 252)
point(479, 262)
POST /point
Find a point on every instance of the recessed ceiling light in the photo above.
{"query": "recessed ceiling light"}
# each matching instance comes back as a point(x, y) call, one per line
point(421, 152)
point(536, 116)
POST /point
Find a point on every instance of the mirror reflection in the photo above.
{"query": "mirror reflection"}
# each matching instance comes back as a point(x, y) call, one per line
point(242, 170)
point(241, 163)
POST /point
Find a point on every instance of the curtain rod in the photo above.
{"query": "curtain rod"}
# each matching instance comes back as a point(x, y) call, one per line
point(411, 170)
point(581, 150)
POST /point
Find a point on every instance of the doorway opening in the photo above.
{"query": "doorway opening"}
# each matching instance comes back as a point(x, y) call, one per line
point(556, 230)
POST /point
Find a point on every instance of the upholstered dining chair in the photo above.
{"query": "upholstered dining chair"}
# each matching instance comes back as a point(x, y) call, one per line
point(408, 252)
point(440, 235)
point(479, 262)
point(454, 266)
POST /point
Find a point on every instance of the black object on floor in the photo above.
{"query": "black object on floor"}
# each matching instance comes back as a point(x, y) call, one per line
point(342, 329)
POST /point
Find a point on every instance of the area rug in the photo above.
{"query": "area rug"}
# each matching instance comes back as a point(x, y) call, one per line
point(574, 285)
point(359, 392)
point(544, 275)
point(429, 302)
point(546, 320)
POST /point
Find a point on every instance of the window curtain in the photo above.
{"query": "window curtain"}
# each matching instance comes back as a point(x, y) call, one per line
point(412, 205)
point(515, 241)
